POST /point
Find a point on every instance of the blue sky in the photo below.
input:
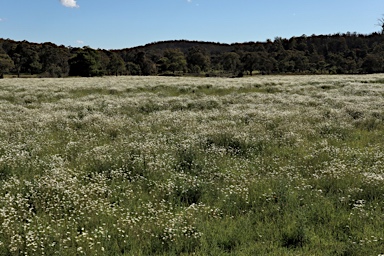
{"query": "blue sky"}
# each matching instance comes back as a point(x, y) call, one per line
point(117, 24)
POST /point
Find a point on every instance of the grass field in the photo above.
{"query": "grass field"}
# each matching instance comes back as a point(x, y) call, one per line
point(269, 165)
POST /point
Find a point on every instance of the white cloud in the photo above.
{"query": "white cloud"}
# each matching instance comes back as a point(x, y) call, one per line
point(79, 41)
point(69, 3)
point(190, 1)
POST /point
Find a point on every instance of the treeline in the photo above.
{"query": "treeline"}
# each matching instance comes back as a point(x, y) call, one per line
point(349, 53)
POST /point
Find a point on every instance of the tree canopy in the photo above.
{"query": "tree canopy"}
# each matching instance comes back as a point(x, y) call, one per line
point(348, 53)
point(6, 62)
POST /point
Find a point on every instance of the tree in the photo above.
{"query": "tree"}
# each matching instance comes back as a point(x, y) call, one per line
point(230, 61)
point(162, 64)
point(198, 60)
point(6, 62)
point(266, 63)
point(104, 60)
point(85, 63)
point(147, 66)
point(381, 24)
point(116, 64)
point(316, 63)
point(54, 60)
point(372, 64)
point(250, 62)
point(301, 61)
point(26, 59)
point(133, 69)
point(175, 60)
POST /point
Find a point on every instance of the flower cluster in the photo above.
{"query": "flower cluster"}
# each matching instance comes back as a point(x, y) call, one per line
point(169, 165)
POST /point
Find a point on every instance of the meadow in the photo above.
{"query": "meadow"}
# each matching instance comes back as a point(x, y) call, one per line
point(264, 165)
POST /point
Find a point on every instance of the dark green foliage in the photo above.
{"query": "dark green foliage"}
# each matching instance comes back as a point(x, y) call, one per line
point(250, 62)
point(147, 66)
point(54, 60)
point(173, 60)
point(198, 59)
point(348, 53)
point(116, 64)
point(133, 69)
point(230, 61)
point(85, 63)
point(6, 62)
point(26, 58)
point(372, 64)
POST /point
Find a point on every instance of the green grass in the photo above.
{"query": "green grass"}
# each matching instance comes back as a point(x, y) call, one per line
point(272, 165)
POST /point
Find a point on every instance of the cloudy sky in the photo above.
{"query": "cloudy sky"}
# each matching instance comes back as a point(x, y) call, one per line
point(117, 24)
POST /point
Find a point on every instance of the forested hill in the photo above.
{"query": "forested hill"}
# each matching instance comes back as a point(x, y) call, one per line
point(348, 53)
point(184, 46)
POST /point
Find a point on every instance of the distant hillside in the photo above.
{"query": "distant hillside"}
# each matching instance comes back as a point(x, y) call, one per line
point(184, 45)
point(348, 53)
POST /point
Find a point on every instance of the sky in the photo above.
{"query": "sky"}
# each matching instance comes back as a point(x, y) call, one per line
point(119, 24)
